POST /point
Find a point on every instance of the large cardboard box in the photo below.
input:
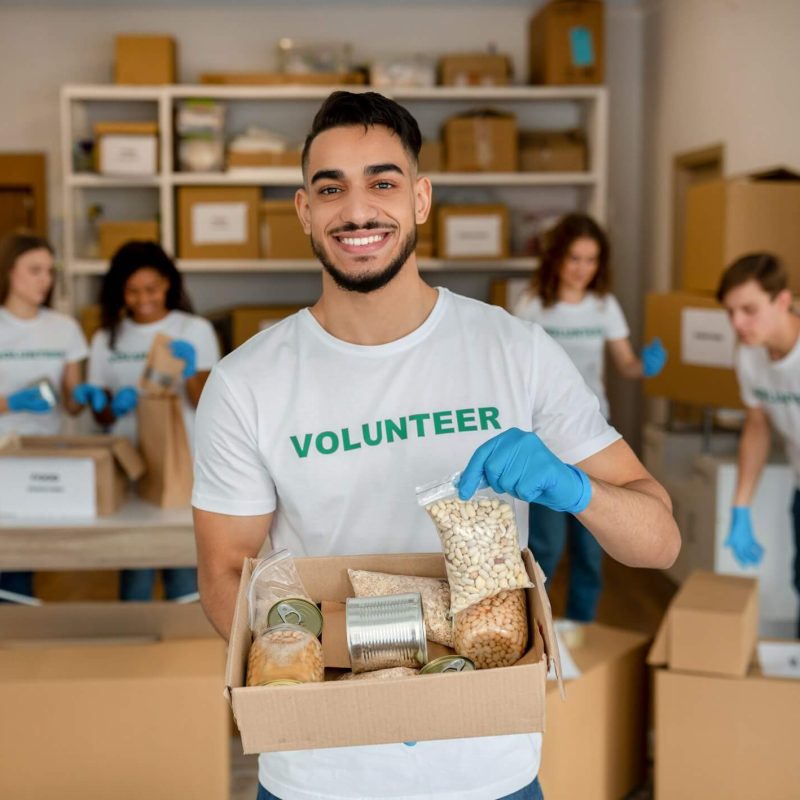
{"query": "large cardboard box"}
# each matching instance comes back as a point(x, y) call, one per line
point(114, 700)
point(726, 219)
point(145, 60)
point(472, 232)
point(602, 724)
point(343, 713)
point(126, 148)
point(566, 43)
point(234, 326)
point(112, 234)
point(475, 69)
point(218, 222)
point(552, 151)
point(700, 343)
point(480, 141)
point(66, 476)
point(426, 236)
point(282, 235)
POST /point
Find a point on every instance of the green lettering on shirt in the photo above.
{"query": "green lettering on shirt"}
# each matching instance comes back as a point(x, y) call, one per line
point(488, 416)
point(775, 397)
point(440, 419)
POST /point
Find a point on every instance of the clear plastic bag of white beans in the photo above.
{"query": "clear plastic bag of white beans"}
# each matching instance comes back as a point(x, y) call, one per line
point(479, 539)
point(274, 578)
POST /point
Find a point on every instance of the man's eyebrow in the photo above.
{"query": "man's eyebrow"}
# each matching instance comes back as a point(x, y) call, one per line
point(377, 169)
point(328, 175)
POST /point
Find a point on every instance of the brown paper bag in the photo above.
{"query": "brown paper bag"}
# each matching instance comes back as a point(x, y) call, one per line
point(162, 371)
point(165, 448)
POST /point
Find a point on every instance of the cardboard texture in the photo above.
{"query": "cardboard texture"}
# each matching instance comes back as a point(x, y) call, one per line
point(112, 700)
point(566, 43)
point(337, 714)
point(602, 724)
point(112, 234)
point(426, 236)
point(469, 232)
point(475, 69)
point(726, 219)
point(284, 78)
point(552, 151)
point(685, 382)
point(289, 158)
point(430, 156)
point(116, 463)
point(480, 141)
point(145, 60)
point(282, 235)
point(218, 222)
point(126, 148)
point(162, 370)
point(234, 326)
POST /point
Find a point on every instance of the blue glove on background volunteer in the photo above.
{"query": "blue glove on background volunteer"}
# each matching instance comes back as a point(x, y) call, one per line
point(654, 356)
point(741, 539)
point(518, 463)
point(29, 399)
point(185, 351)
point(125, 401)
point(89, 394)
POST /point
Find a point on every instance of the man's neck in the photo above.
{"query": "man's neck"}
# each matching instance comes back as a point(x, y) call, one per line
point(785, 338)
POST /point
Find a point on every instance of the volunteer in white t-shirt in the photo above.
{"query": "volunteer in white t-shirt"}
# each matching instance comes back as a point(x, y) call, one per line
point(142, 295)
point(754, 291)
point(315, 432)
point(570, 299)
point(36, 343)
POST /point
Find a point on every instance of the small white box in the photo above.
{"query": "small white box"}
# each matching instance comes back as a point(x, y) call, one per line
point(47, 487)
point(128, 155)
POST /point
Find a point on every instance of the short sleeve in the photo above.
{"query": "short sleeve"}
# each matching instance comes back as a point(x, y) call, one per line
point(616, 326)
point(99, 373)
point(745, 383)
point(230, 476)
point(206, 344)
point(566, 413)
point(75, 346)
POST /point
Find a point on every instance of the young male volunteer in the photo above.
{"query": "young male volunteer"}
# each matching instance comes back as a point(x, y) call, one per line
point(315, 433)
point(754, 291)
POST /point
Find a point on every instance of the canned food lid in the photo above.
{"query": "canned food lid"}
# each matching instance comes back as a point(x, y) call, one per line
point(296, 611)
point(448, 664)
point(281, 682)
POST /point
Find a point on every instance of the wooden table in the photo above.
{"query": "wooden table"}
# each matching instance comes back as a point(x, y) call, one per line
point(139, 535)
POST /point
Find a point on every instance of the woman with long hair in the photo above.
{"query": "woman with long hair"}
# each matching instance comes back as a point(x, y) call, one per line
point(570, 298)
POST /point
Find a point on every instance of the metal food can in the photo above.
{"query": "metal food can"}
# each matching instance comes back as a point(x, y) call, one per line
point(46, 390)
point(296, 611)
point(448, 664)
point(386, 631)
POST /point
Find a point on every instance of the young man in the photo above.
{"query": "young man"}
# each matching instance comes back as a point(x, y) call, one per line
point(755, 294)
point(316, 432)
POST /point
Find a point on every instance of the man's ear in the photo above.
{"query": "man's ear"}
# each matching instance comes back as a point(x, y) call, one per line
point(423, 198)
point(783, 300)
point(303, 210)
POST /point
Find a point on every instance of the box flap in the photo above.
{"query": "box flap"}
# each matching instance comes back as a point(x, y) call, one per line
point(128, 457)
point(709, 591)
point(777, 173)
point(546, 630)
point(125, 128)
point(658, 655)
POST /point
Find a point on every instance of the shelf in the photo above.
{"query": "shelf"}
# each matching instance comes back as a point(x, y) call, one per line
point(90, 180)
point(112, 92)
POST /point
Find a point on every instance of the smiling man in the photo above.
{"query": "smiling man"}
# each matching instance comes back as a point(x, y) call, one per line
point(315, 432)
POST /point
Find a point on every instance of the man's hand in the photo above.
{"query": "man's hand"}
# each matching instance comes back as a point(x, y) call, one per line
point(741, 539)
point(519, 463)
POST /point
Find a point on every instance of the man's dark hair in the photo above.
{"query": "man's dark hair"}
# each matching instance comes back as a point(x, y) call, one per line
point(765, 269)
point(366, 109)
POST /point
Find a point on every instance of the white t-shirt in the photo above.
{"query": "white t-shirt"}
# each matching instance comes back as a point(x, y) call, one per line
point(775, 387)
point(31, 349)
point(123, 366)
point(334, 437)
point(582, 329)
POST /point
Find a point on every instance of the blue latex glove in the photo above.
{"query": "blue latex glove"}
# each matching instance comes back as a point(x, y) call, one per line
point(519, 463)
point(125, 400)
point(654, 356)
point(741, 539)
point(185, 351)
point(89, 394)
point(29, 399)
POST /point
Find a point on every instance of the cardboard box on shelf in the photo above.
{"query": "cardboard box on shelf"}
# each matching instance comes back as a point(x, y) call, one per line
point(112, 234)
point(430, 156)
point(145, 60)
point(699, 340)
point(469, 232)
point(509, 292)
point(283, 78)
point(475, 69)
point(566, 43)
point(344, 713)
point(426, 236)
point(234, 326)
point(90, 318)
point(480, 141)
point(729, 218)
point(286, 158)
point(282, 235)
point(126, 148)
point(602, 724)
point(218, 222)
point(552, 151)
point(118, 699)
point(66, 476)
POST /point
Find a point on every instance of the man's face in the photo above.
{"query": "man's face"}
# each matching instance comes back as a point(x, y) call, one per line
point(361, 204)
point(754, 315)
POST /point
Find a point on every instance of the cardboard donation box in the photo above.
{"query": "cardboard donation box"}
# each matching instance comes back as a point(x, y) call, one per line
point(602, 725)
point(566, 43)
point(700, 341)
point(65, 476)
point(117, 700)
point(126, 148)
point(480, 141)
point(475, 69)
point(145, 60)
point(726, 219)
point(469, 232)
point(234, 326)
point(343, 713)
point(218, 222)
point(426, 236)
point(282, 235)
point(552, 151)
point(112, 234)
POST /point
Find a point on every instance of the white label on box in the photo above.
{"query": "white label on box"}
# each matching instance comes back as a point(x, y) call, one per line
point(780, 659)
point(473, 235)
point(219, 223)
point(47, 487)
point(707, 338)
point(128, 155)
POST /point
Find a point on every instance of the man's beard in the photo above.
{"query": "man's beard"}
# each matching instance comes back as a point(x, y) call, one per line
point(370, 282)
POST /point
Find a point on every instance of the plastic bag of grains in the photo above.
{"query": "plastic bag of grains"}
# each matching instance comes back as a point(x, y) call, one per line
point(273, 578)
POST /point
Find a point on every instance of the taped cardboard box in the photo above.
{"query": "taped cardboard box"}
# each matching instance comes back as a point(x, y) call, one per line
point(66, 476)
point(346, 713)
point(472, 232)
point(282, 234)
point(126, 148)
point(112, 234)
point(700, 343)
point(566, 43)
point(552, 151)
point(475, 69)
point(145, 60)
point(481, 141)
point(726, 219)
point(112, 700)
point(234, 326)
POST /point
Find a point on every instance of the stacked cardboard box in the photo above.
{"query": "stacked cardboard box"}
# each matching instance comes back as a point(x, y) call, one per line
point(145, 60)
point(480, 141)
point(234, 326)
point(282, 235)
point(472, 231)
point(475, 69)
point(112, 234)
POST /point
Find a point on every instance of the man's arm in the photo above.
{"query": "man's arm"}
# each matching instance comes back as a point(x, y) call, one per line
point(753, 451)
point(223, 542)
